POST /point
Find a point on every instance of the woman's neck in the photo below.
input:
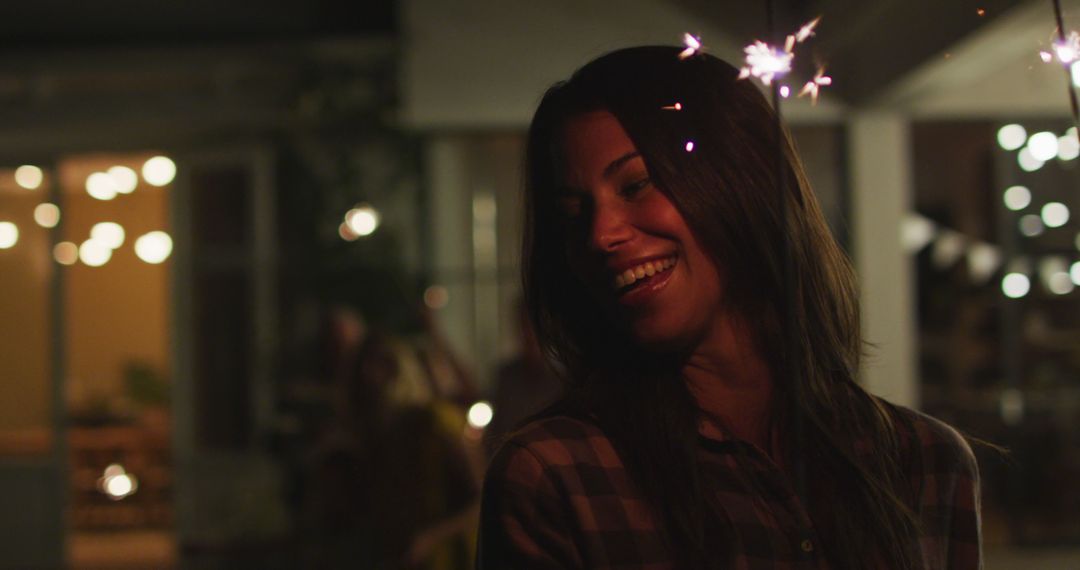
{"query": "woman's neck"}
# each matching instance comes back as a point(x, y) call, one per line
point(732, 385)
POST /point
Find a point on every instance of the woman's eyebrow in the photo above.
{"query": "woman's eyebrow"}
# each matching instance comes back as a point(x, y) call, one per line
point(618, 162)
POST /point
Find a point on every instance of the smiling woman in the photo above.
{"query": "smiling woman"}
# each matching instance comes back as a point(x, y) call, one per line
point(684, 278)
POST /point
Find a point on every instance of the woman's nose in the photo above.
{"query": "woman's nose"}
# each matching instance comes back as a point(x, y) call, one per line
point(610, 228)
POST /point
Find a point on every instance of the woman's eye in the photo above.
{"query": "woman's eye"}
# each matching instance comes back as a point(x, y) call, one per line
point(635, 187)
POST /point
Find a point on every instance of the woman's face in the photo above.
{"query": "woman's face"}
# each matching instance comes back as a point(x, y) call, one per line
point(628, 244)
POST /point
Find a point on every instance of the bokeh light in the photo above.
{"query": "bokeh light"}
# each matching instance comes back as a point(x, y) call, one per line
point(1011, 137)
point(1031, 225)
point(1060, 283)
point(154, 247)
point(983, 260)
point(47, 215)
point(915, 232)
point(948, 247)
point(1055, 214)
point(480, 415)
point(159, 171)
point(1054, 273)
point(1068, 145)
point(117, 483)
point(66, 253)
point(29, 176)
point(1074, 272)
point(1043, 145)
point(9, 235)
point(1027, 162)
point(95, 253)
point(346, 233)
point(1017, 198)
point(101, 186)
point(363, 220)
point(109, 233)
point(436, 297)
point(1015, 285)
point(125, 178)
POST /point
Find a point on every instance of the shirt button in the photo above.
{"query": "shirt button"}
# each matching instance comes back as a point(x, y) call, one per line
point(807, 545)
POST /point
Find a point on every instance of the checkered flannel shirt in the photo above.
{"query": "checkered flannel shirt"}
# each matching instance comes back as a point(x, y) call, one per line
point(556, 495)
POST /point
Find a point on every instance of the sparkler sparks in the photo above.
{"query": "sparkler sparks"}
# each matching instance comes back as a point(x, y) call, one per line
point(766, 62)
point(1065, 50)
point(693, 45)
point(813, 86)
point(769, 63)
point(676, 107)
point(1069, 49)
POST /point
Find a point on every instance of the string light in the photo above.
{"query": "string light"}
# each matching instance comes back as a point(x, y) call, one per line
point(29, 176)
point(1017, 198)
point(1011, 137)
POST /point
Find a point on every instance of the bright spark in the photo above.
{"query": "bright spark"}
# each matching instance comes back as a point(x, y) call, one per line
point(693, 45)
point(689, 146)
point(766, 62)
point(675, 107)
point(785, 91)
point(1068, 50)
point(807, 31)
point(813, 86)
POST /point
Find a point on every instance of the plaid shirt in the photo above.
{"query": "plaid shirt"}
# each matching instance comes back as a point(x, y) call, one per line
point(556, 495)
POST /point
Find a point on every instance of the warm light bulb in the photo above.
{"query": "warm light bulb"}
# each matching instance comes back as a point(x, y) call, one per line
point(126, 179)
point(29, 176)
point(363, 220)
point(154, 247)
point(159, 171)
point(480, 415)
point(47, 215)
point(109, 233)
point(95, 253)
point(101, 186)
point(66, 253)
point(9, 235)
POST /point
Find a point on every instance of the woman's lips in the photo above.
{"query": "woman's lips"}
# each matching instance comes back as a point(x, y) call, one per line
point(641, 289)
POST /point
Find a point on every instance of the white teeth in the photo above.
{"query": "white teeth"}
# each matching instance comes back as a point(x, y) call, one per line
point(647, 269)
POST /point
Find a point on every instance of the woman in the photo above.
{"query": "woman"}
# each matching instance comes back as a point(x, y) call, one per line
point(709, 329)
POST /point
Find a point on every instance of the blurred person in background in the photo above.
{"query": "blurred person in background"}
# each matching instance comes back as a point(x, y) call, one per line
point(677, 266)
point(393, 483)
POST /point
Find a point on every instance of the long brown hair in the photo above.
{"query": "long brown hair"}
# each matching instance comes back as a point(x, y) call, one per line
point(743, 193)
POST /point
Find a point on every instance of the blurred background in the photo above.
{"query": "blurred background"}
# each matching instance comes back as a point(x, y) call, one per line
point(259, 298)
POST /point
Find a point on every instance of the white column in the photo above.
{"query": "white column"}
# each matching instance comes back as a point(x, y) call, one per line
point(880, 161)
point(450, 213)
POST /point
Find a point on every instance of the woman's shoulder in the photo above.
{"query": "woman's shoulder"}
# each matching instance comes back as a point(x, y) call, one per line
point(559, 440)
point(939, 446)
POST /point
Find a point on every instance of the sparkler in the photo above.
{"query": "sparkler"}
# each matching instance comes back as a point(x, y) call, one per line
point(768, 63)
point(1066, 49)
